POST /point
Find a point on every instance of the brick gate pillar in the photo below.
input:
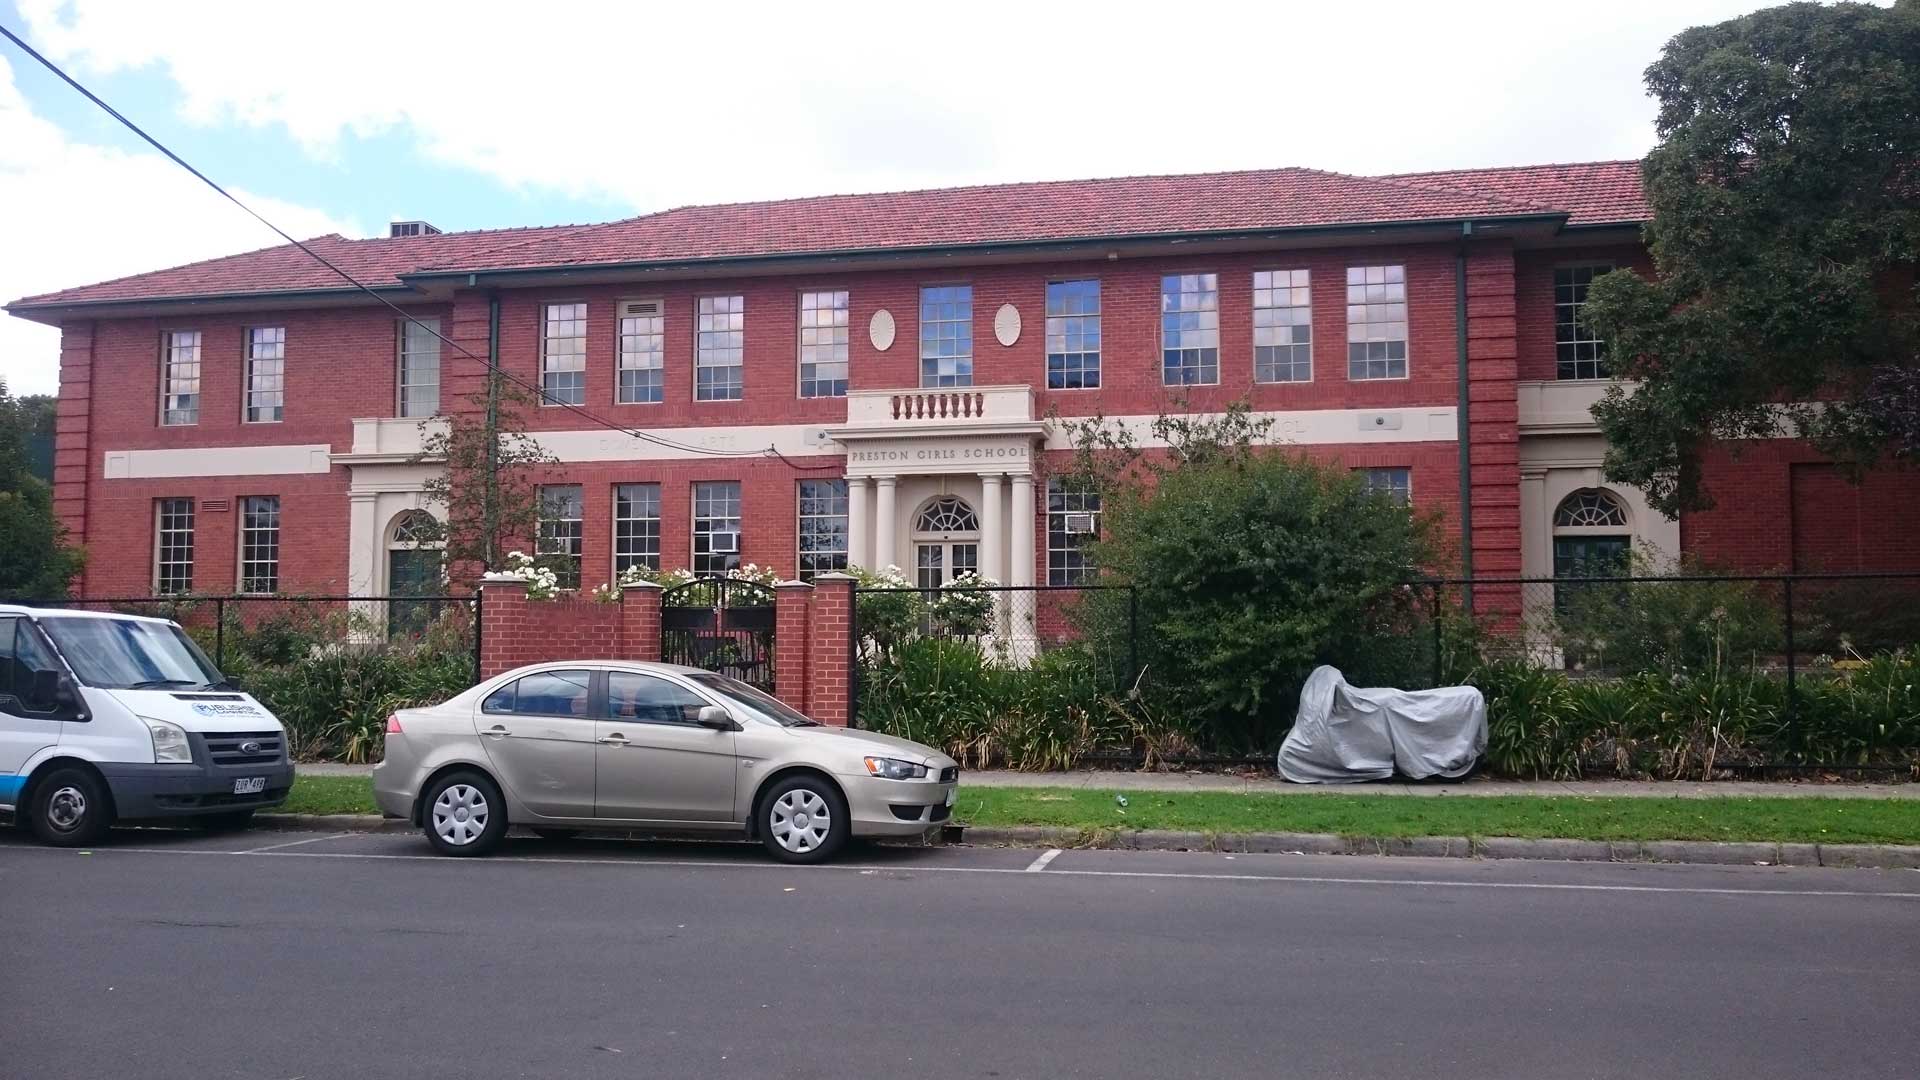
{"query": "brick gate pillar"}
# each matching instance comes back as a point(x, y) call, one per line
point(830, 650)
point(503, 626)
point(792, 604)
point(640, 621)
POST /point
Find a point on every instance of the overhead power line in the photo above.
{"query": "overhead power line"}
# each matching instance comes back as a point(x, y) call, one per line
point(496, 369)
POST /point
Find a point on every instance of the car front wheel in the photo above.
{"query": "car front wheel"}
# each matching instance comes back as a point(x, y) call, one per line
point(464, 815)
point(70, 809)
point(803, 820)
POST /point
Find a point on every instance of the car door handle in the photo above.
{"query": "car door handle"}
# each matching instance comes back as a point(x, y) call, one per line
point(615, 739)
point(496, 731)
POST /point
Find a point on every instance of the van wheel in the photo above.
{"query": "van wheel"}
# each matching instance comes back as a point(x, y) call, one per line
point(231, 821)
point(803, 820)
point(70, 809)
point(465, 814)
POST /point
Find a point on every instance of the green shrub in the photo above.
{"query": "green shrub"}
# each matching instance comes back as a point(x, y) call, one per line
point(1668, 626)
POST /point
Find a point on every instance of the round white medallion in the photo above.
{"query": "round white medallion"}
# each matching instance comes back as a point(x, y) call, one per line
point(880, 330)
point(1006, 324)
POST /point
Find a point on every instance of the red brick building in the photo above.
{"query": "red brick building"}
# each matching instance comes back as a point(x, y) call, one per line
point(868, 379)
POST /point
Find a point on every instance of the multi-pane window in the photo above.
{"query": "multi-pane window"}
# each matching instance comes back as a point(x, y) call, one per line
point(643, 353)
point(823, 344)
point(563, 355)
point(1073, 335)
point(823, 527)
point(716, 527)
point(1282, 326)
point(180, 378)
point(173, 546)
point(420, 367)
point(946, 335)
point(561, 531)
point(1580, 353)
point(260, 544)
point(1395, 483)
point(1073, 519)
point(266, 374)
point(636, 526)
point(1376, 322)
point(1189, 329)
point(720, 341)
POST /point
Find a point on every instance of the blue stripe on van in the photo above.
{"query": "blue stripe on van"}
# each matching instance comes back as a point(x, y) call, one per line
point(10, 788)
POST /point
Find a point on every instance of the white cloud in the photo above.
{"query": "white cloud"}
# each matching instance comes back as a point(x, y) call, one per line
point(659, 105)
point(81, 213)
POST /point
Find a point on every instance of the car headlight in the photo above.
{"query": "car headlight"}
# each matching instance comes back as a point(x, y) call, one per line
point(170, 745)
point(887, 768)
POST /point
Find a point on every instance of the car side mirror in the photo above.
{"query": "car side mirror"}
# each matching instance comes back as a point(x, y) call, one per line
point(715, 717)
point(54, 690)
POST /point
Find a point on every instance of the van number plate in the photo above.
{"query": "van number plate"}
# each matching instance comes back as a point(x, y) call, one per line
point(252, 785)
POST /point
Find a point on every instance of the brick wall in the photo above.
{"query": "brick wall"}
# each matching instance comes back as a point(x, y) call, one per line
point(1780, 505)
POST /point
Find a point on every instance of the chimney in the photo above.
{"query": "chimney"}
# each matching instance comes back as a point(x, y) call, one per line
point(412, 228)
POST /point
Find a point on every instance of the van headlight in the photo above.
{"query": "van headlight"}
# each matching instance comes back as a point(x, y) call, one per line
point(887, 768)
point(170, 745)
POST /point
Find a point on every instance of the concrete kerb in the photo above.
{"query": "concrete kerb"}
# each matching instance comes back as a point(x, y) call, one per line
point(1699, 852)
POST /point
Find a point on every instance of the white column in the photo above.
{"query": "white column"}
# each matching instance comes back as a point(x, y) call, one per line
point(886, 553)
point(1022, 529)
point(993, 532)
point(859, 524)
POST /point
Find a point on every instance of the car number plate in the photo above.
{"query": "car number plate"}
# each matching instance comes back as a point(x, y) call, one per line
point(251, 785)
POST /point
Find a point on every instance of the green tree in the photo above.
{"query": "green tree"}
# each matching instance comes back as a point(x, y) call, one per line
point(488, 494)
point(36, 561)
point(1786, 218)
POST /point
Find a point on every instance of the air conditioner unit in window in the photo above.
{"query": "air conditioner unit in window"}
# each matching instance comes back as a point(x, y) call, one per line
point(635, 309)
point(1079, 524)
point(724, 543)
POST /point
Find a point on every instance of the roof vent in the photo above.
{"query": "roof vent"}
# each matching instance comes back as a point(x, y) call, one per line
point(412, 228)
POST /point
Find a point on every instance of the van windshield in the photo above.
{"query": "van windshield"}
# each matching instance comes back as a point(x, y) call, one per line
point(130, 654)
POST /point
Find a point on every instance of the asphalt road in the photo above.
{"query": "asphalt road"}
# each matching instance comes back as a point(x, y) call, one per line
point(271, 955)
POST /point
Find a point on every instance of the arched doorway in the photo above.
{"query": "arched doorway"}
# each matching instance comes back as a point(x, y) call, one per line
point(415, 567)
point(946, 541)
point(1591, 536)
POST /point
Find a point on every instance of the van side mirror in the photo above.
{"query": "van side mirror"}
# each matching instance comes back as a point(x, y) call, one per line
point(715, 717)
point(51, 689)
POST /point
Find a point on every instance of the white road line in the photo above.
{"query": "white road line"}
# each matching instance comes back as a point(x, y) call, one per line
point(922, 868)
point(292, 843)
point(1040, 863)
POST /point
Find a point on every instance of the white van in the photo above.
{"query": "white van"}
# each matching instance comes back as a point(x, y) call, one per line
point(107, 717)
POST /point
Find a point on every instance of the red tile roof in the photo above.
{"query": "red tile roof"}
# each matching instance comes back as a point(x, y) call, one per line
point(1271, 199)
point(1592, 193)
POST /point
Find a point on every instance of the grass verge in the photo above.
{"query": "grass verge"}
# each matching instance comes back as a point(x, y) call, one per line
point(1832, 821)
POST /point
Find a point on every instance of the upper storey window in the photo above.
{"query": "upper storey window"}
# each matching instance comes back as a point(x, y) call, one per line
point(1073, 335)
point(719, 358)
point(823, 344)
point(1376, 322)
point(180, 378)
point(563, 355)
point(420, 367)
point(266, 374)
point(1282, 326)
point(946, 336)
point(1580, 354)
point(643, 352)
point(1190, 329)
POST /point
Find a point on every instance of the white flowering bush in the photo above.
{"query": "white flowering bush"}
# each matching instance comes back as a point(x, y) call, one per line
point(542, 582)
point(759, 575)
point(886, 618)
point(965, 606)
point(611, 592)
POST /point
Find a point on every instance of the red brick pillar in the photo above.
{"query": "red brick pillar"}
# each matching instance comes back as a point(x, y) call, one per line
point(640, 621)
point(1494, 468)
point(72, 446)
point(830, 650)
point(792, 604)
point(503, 626)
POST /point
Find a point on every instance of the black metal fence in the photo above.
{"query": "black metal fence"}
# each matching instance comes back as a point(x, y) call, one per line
point(1009, 624)
point(272, 629)
point(1789, 625)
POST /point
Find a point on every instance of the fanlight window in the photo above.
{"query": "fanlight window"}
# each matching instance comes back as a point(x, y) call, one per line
point(414, 529)
point(948, 515)
point(1590, 509)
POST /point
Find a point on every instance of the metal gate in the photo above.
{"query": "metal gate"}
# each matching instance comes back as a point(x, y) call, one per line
point(721, 624)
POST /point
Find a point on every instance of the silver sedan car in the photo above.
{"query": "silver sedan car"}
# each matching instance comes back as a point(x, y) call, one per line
point(610, 744)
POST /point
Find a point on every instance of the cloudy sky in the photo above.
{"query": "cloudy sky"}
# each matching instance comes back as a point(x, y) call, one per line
point(339, 117)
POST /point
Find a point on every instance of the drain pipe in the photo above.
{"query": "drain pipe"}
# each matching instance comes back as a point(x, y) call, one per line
point(1464, 411)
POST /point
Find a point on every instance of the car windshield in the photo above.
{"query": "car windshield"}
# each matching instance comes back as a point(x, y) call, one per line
point(743, 698)
point(130, 654)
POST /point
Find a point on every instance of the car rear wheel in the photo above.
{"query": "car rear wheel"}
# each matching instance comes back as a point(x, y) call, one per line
point(70, 809)
point(803, 820)
point(465, 815)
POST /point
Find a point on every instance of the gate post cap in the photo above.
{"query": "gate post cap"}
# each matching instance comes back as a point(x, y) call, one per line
point(794, 584)
point(654, 585)
point(834, 575)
